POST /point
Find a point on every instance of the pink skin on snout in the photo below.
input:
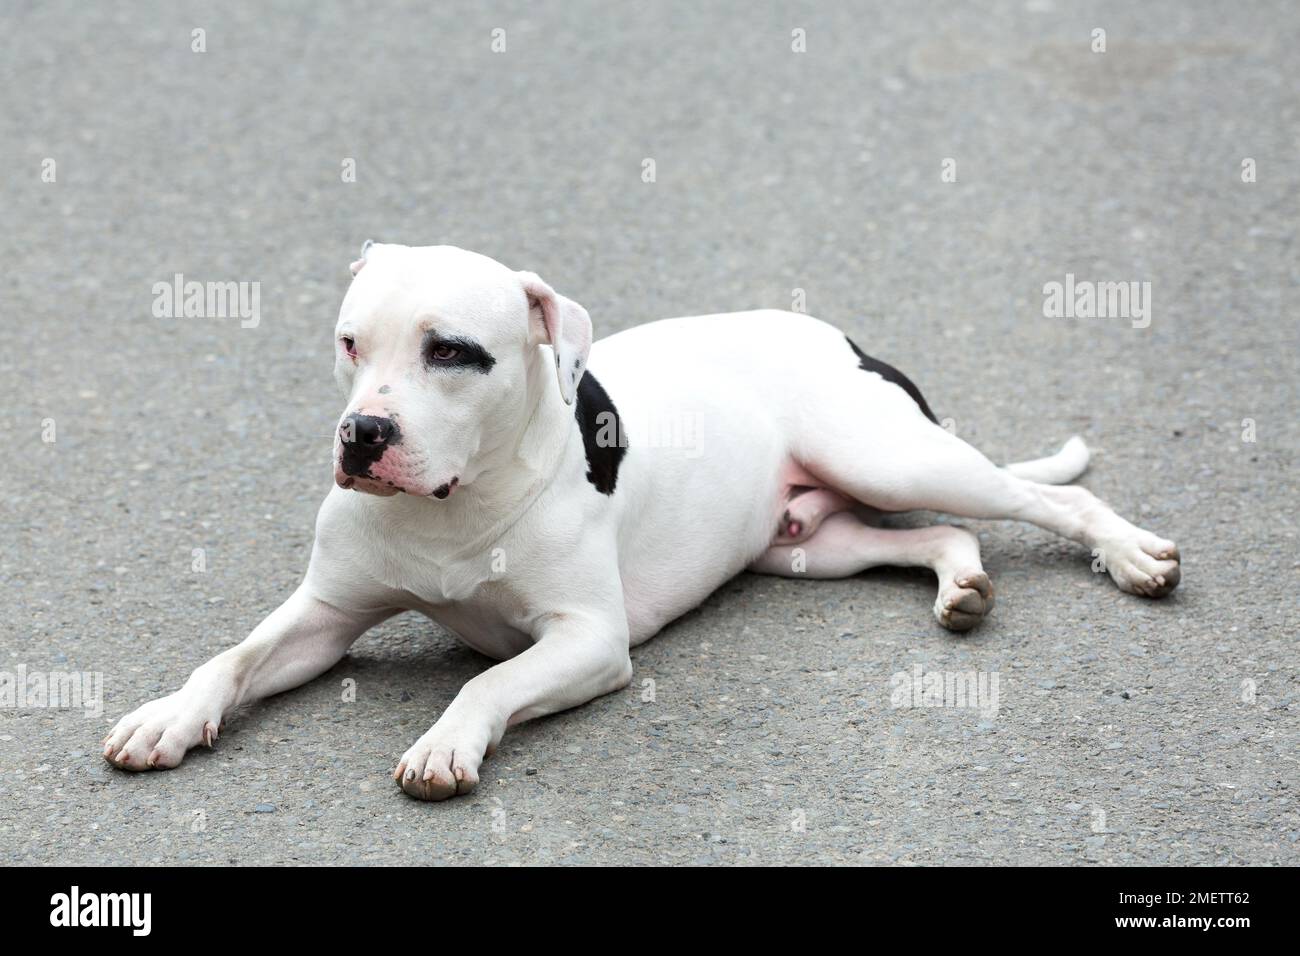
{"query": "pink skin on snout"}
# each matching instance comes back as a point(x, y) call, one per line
point(391, 473)
point(380, 485)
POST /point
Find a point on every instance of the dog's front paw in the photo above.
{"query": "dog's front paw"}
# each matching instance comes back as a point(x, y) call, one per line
point(444, 762)
point(157, 735)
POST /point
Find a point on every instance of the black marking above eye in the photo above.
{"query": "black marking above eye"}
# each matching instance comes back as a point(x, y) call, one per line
point(468, 353)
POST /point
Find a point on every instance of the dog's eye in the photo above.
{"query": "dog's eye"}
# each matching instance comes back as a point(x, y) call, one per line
point(349, 346)
point(443, 353)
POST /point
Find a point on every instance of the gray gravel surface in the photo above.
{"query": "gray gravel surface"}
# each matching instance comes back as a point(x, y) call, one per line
point(1128, 731)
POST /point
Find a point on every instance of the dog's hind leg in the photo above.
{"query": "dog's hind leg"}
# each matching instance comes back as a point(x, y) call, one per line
point(843, 545)
point(907, 466)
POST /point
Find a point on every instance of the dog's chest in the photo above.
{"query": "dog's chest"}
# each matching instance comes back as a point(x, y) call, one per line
point(465, 593)
point(434, 578)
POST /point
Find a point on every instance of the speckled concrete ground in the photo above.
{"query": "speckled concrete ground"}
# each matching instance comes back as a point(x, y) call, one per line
point(1126, 732)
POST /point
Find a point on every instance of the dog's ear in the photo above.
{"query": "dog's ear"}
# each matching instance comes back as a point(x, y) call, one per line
point(562, 324)
point(360, 264)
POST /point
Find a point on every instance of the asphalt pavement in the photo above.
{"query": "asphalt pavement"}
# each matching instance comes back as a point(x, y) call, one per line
point(915, 173)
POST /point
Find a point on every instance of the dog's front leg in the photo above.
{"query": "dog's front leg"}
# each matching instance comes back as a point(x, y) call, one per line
point(577, 657)
point(298, 641)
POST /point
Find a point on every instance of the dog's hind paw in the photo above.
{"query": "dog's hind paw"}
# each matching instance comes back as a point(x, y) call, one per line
point(1145, 565)
point(963, 601)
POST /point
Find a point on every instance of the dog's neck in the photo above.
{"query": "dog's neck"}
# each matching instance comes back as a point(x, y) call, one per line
point(525, 457)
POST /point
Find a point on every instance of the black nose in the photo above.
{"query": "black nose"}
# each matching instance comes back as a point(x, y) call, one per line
point(367, 430)
point(364, 439)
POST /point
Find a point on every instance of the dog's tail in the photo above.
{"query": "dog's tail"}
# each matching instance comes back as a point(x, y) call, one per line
point(1059, 469)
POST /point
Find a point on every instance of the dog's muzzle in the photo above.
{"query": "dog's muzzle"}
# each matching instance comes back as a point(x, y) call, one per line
point(364, 438)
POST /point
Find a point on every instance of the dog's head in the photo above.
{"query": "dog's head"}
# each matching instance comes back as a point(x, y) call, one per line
point(436, 348)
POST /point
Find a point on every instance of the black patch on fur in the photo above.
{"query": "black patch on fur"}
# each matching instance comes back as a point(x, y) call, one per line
point(598, 420)
point(891, 374)
point(472, 355)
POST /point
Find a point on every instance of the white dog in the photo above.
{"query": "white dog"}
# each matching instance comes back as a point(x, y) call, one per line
point(489, 478)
